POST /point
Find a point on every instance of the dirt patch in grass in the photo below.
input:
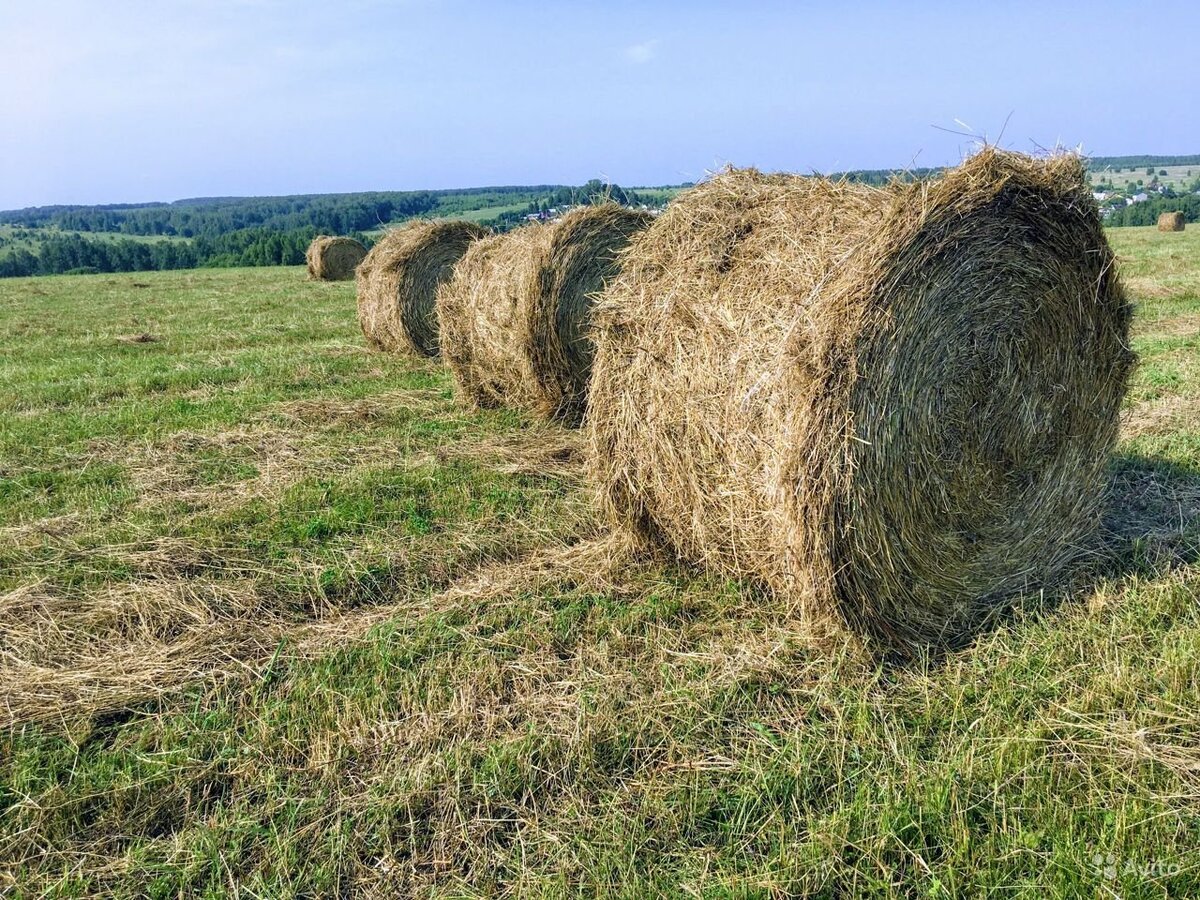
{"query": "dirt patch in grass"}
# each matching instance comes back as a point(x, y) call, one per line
point(1176, 326)
point(1155, 514)
point(1161, 417)
point(334, 412)
point(40, 529)
point(1145, 287)
point(541, 450)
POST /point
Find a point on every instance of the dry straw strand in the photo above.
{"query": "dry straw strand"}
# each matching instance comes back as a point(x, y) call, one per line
point(1170, 221)
point(515, 317)
point(894, 407)
point(333, 258)
point(399, 279)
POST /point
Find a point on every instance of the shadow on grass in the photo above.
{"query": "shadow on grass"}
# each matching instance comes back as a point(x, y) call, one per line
point(1151, 525)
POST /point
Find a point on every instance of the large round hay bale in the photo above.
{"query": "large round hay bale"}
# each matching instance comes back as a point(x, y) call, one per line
point(515, 317)
point(894, 407)
point(1170, 221)
point(333, 258)
point(399, 280)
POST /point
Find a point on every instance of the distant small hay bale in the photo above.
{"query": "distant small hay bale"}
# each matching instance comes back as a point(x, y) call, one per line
point(333, 258)
point(894, 407)
point(399, 279)
point(1170, 221)
point(516, 316)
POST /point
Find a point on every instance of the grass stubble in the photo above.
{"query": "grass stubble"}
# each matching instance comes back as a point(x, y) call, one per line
point(277, 618)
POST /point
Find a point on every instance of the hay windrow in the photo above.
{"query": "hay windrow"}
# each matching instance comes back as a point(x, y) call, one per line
point(894, 407)
point(399, 279)
point(1170, 221)
point(333, 258)
point(515, 316)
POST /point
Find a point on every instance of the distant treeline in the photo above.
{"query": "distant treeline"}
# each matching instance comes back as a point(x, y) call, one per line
point(330, 213)
point(880, 177)
point(252, 231)
point(1141, 162)
point(339, 213)
point(59, 254)
point(1147, 213)
point(262, 231)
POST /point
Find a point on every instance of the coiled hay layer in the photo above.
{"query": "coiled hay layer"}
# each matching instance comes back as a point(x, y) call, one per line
point(894, 407)
point(399, 280)
point(515, 317)
point(333, 258)
point(1170, 221)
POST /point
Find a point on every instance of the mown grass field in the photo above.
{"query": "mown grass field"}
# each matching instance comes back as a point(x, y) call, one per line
point(279, 619)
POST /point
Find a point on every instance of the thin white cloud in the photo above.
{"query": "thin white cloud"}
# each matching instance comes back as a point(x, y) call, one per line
point(643, 52)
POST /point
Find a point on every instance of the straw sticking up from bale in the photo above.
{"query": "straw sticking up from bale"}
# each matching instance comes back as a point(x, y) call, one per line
point(333, 258)
point(1170, 221)
point(894, 407)
point(516, 314)
point(399, 279)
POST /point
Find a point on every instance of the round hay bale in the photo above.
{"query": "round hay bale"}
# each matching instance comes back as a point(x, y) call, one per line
point(333, 258)
point(1170, 221)
point(893, 407)
point(399, 280)
point(516, 315)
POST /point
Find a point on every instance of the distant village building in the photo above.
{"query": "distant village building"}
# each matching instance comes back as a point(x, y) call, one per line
point(1137, 198)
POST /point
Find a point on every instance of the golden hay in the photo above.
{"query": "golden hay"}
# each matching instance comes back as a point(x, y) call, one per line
point(894, 407)
point(399, 279)
point(333, 258)
point(1170, 221)
point(515, 316)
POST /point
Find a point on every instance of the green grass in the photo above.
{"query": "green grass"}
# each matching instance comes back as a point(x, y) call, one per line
point(8, 240)
point(231, 664)
point(1177, 177)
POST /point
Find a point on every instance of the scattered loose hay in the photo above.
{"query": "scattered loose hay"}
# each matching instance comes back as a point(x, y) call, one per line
point(399, 279)
point(64, 659)
point(1170, 221)
point(516, 314)
point(892, 406)
point(333, 258)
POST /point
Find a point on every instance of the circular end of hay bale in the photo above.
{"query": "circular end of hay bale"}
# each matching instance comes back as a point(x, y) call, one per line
point(399, 280)
point(1171, 221)
point(333, 258)
point(893, 407)
point(516, 316)
point(984, 411)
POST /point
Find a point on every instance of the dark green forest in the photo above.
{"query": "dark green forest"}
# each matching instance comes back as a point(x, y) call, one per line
point(255, 231)
point(75, 253)
point(1147, 213)
point(1140, 162)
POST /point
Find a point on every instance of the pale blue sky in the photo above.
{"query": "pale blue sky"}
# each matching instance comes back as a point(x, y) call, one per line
point(129, 101)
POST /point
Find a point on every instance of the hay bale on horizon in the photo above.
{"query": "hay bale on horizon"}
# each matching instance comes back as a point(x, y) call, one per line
point(515, 317)
point(1170, 221)
point(399, 279)
point(893, 407)
point(333, 258)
